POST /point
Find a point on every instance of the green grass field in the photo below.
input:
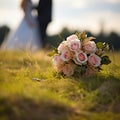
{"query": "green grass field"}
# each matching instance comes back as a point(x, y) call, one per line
point(30, 89)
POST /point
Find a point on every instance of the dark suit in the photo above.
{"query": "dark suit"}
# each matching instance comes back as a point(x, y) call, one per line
point(44, 17)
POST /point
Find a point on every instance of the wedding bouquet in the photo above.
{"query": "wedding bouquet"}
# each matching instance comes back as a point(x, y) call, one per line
point(79, 54)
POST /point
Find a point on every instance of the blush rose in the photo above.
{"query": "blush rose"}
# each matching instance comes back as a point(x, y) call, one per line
point(68, 69)
point(57, 60)
point(65, 54)
point(74, 45)
point(94, 60)
point(89, 47)
point(81, 57)
point(72, 37)
point(62, 46)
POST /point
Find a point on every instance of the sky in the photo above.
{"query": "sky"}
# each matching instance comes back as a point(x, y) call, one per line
point(74, 14)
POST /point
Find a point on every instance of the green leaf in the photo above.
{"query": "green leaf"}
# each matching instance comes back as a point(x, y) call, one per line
point(55, 49)
point(52, 53)
point(104, 46)
point(100, 45)
point(76, 33)
point(105, 60)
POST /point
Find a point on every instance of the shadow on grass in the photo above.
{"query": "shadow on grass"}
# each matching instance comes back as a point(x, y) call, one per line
point(28, 109)
point(105, 92)
point(100, 81)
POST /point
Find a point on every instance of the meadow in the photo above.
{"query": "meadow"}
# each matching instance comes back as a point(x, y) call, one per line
point(31, 89)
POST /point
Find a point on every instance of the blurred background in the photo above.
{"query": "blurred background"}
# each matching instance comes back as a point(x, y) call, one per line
point(98, 17)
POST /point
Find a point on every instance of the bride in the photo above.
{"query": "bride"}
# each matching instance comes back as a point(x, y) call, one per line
point(26, 37)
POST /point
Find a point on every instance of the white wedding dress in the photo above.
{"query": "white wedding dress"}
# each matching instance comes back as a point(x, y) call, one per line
point(25, 37)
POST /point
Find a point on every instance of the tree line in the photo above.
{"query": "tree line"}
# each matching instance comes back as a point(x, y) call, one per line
point(113, 38)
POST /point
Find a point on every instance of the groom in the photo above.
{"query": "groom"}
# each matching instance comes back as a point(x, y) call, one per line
point(44, 17)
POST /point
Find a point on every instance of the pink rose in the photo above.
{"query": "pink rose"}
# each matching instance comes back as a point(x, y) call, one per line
point(89, 47)
point(62, 46)
point(72, 37)
point(57, 60)
point(65, 55)
point(74, 45)
point(94, 60)
point(81, 57)
point(68, 69)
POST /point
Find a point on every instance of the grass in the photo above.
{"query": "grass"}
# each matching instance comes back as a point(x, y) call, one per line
point(31, 89)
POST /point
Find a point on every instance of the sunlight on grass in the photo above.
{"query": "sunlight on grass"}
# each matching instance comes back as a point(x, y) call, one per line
point(29, 84)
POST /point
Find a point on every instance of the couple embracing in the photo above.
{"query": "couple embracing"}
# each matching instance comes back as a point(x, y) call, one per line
point(31, 32)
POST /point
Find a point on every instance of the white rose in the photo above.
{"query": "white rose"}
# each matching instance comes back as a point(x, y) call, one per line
point(90, 47)
point(94, 60)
